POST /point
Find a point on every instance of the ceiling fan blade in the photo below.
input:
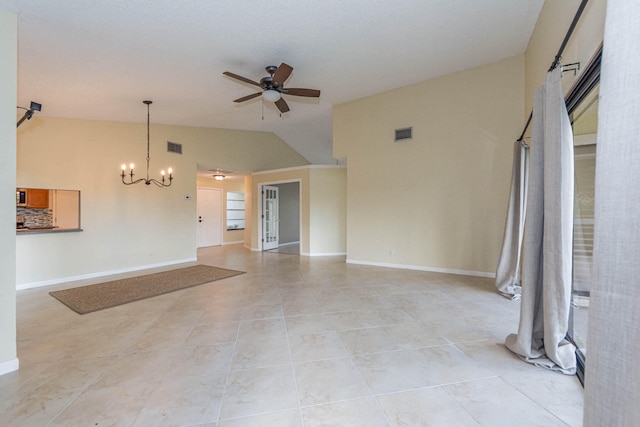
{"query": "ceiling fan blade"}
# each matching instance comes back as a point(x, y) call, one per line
point(242, 79)
point(282, 73)
point(248, 97)
point(313, 93)
point(282, 105)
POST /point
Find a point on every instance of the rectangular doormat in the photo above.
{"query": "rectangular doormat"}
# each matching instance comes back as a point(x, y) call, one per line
point(86, 299)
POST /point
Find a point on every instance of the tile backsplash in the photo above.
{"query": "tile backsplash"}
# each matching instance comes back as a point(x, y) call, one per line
point(36, 217)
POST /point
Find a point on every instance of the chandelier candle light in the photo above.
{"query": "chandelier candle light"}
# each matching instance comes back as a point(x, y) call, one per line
point(147, 181)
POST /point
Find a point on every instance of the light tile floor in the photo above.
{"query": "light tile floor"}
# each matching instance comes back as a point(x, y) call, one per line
point(296, 341)
point(288, 248)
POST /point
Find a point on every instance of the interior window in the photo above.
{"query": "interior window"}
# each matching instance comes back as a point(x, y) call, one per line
point(42, 209)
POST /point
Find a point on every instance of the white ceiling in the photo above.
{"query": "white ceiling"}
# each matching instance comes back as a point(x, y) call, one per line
point(98, 60)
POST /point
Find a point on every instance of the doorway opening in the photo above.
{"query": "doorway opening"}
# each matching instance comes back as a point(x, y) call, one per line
point(280, 210)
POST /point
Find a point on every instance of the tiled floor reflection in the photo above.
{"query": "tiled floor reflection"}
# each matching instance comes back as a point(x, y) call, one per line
point(296, 341)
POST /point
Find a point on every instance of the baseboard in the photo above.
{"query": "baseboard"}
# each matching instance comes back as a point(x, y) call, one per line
point(424, 268)
point(101, 274)
point(9, 366)
point(232, 243)
point(323, 254)
point(289, 243)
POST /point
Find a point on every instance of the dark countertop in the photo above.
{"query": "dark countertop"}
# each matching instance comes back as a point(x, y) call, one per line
point(45, 230)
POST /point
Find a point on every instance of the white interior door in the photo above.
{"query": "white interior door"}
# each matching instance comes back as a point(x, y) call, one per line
point(270, 221)
point(209, 217)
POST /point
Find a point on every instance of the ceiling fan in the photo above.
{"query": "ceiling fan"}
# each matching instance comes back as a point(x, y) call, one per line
point(273, 86)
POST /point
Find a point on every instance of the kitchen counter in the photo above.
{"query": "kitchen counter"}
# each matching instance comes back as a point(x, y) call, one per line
point(45, 230)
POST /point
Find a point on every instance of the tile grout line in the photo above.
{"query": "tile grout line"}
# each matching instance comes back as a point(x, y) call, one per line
point(229, 371)
point(293, 371)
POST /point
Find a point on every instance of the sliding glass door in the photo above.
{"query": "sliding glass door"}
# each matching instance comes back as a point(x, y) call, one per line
point(585, 121)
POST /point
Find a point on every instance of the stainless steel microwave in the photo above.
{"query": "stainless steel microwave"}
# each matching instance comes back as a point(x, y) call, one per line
point(21, 197)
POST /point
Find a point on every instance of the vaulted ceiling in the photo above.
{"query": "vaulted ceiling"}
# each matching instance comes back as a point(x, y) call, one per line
point(99, 59)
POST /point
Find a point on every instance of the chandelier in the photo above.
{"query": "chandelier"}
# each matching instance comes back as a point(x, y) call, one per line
point(147, 181)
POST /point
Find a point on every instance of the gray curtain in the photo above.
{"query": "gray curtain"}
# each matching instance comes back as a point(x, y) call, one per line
point(548, 239)
point(612, 388)
point(508, 270)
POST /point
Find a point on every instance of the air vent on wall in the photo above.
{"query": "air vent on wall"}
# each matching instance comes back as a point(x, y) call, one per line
point(403, 134)
point(174, 147)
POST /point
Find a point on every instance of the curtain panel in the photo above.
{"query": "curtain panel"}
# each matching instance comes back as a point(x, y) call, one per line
point(548, 236)
point(508, 270)
point(612, 379)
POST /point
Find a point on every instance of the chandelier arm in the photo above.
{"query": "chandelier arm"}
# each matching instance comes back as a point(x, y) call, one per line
point(158, 183)
point(132, 182)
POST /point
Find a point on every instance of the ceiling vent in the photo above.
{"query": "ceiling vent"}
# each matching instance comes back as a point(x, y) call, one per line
point(174, 147)
point(404, 134)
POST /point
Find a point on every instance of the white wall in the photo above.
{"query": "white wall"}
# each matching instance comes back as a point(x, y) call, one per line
point(125, 228)
point(438, 201)
point(8, 90)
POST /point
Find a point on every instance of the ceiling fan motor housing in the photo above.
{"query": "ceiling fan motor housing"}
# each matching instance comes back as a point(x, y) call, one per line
point(267, 83)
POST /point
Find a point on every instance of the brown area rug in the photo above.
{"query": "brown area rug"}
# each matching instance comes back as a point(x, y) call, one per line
point(86, 299)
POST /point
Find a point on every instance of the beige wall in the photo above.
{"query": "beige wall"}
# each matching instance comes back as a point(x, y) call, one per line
point(328, 211)
point(553, 23)
point(437, 201)
point(235, 184)
point(8, 85)
point(322, 212)
point(125, 228)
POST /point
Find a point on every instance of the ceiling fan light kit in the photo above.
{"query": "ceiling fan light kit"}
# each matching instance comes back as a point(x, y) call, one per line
point(271, 95)
point(273, 86)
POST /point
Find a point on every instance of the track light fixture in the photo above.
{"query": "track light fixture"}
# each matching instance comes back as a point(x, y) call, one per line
point(29, 113)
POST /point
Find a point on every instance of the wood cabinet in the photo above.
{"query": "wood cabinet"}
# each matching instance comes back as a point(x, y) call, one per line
point(37, 198)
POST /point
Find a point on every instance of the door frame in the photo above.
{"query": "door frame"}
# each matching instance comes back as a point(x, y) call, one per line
point(221, 193)
point(273, 218)
point(261, 210)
